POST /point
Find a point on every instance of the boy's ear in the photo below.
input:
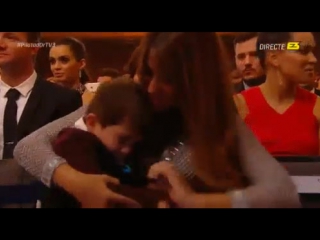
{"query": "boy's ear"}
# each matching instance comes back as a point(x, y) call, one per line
point(91, 120)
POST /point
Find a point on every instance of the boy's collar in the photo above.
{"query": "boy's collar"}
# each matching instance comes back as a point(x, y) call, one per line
point(81, 125)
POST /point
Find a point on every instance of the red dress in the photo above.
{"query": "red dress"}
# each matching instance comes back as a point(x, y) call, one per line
point(294, 132)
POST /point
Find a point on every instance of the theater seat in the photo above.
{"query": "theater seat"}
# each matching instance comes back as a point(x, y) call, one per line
point(18, 189)
point(305, 172)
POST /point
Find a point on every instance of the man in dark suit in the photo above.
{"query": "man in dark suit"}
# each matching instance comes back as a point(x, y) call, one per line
point(312, 89)
point(27, 102)
point(313, 86)
point(247, 62)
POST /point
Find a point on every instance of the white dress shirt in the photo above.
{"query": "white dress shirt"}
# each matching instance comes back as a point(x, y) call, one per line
point(246, 87)
point(25, 89)
point(81, 125)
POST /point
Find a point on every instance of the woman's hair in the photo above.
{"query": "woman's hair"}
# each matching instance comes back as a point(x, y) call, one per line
point(191, 62)
point(132, 65)
point(270, 38)
point(78, 50)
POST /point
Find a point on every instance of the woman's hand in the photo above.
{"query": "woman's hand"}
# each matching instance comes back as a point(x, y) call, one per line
point(92, 191)
point(180, 192)
point(87, 97)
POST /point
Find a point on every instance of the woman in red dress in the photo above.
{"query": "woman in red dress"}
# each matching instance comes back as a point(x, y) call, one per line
point(284, 116)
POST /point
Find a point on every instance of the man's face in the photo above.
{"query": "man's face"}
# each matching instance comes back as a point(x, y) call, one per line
point(12, 50)
point(247, 62)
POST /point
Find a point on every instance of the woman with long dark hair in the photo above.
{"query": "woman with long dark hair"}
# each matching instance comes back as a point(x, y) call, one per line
point(67, 62)
point(216, 162)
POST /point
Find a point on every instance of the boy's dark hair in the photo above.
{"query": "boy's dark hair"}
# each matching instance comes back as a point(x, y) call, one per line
point(121, 100)
point(267, 38)
point(109, 72)
point(33, 37)
point(243, 37)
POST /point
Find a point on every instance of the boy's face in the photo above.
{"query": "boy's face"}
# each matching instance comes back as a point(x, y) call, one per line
point(119, 139)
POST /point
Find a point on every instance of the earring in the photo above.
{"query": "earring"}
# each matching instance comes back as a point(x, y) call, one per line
point(80, 74)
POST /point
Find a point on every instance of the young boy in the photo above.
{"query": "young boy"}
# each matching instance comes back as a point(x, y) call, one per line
point(116, 119)
point(118, 115)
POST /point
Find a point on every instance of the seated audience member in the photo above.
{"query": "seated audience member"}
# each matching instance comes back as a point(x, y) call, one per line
point(27, 101)
point(67, 62)
point(247, 62)
point(115, 120)
point(108, 74)
point(284, 116)
point(192, 98)
point(312, 86)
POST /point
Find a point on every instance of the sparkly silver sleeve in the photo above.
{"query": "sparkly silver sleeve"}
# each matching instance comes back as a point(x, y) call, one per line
point(238, 199)
point(179, 155)
point(270, 185)
point(34, 152)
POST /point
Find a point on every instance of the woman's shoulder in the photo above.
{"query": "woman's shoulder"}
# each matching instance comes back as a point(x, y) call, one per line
point(248, 94)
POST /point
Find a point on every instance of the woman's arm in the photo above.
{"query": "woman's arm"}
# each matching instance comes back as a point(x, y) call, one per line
point(270, 184)
point(35, 153)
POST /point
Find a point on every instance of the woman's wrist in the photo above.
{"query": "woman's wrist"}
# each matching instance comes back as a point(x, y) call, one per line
point(67, 178)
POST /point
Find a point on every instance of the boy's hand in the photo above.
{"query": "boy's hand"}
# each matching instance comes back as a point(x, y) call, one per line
point(93, 192)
